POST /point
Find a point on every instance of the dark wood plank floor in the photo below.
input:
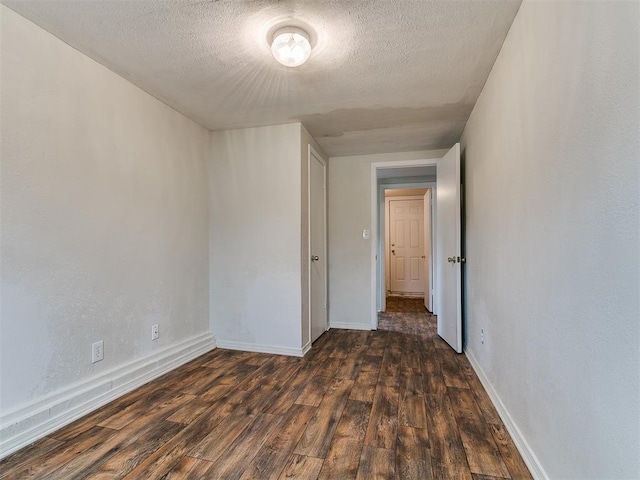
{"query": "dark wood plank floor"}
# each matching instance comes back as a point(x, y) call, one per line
point(397, 403)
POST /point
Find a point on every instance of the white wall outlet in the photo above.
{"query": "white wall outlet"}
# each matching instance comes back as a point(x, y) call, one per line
point(482, 336)
point(154, 332)
point(365, 234)
point(97, 351)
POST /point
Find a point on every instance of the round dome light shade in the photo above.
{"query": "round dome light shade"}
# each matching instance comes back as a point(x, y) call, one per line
point(291, 46)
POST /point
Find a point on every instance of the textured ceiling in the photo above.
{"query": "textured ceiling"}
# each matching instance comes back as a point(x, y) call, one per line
point(384, 75)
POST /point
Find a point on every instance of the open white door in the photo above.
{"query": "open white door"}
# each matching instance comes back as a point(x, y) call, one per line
point(428, 257)
point(448, 246)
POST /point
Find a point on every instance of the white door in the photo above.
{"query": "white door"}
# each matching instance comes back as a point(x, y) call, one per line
point(448, 245)
point(427, 264)
point(406, 243)
point(317, 246)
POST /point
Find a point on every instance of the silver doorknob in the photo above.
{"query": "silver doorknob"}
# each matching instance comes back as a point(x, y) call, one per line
point(315, 258)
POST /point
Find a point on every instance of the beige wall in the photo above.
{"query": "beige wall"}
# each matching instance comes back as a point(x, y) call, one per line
point(553, 272)
point(104, 232)
point(349, 186)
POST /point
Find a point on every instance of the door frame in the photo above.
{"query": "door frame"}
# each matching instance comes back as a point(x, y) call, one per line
point(312, 152)
point(377, 236)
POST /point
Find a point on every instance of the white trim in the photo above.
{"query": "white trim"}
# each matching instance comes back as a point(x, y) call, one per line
point(535, 468)
point(306, 348)
point(254, 347)
point(351, 326)
point(375, 223)
point(31, 422)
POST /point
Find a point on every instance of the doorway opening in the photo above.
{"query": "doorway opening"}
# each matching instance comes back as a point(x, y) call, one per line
point(388, 179)
point(445, 180)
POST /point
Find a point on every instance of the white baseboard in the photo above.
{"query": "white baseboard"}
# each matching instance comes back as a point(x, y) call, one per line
point(523, 447)
point(31, 422)
point(351, 326)
point(255, 347)
point(306, 348)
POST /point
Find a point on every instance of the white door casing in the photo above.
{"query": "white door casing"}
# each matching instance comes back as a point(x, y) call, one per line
point(406, 245)
point(448, 247)
point(317, 246)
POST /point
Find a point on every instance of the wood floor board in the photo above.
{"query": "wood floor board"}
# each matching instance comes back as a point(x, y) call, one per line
point(448, 457)
point(482, 399)
point(163, 459)
point(129, 457)
point(31, 453)
point(383, 421)
point(136, 409)
point(349, 368)
point(376, 464)
point(343, 456)
point(342, 460)
point(364, 387)
point(371, 363)
point(316, 438)
point(512, 459)
point(272, 458)
point(83, 466)
point(301, 467)
point(354, 421)
point(314, 391)
point(375, 351)
point(59, 457)
point(432, 378)
point(451, 373)
point(290, 391)
point(215, 443)
point(396, 403)
point(391, 362)
point(477, 476)
point(413, 458)
point(411, 382)
point(188, 468)
point(412, 411)
point(105, 412)
point(482, 452)
point(238, 455)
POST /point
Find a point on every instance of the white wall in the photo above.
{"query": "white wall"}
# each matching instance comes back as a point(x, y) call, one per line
point(552, 171)
point(349, 188)
point(104, 232)
point(255, 238)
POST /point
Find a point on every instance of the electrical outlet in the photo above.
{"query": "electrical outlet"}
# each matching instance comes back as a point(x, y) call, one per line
point(482, 336)
point(154, 332)
point(97, 351)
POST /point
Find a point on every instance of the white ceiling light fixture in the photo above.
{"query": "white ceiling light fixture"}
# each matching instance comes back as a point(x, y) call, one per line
point(291, 46)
